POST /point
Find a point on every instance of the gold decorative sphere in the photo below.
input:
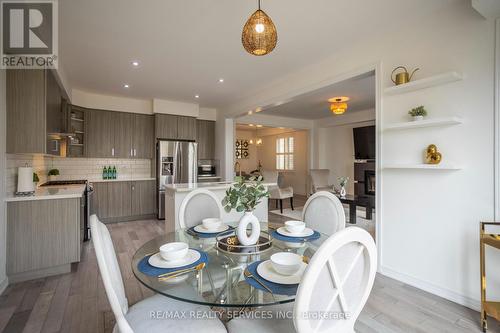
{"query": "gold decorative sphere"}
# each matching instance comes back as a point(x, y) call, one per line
point(259, 36)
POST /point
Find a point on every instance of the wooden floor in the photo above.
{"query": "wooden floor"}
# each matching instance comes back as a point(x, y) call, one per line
point(76, 302)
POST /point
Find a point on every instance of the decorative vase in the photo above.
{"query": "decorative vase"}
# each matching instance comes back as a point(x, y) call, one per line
point(342, 191)
point(418, 118)
point(52, 178)
point(241, 231)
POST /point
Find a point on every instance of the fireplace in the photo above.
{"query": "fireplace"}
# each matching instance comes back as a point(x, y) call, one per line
point(369, 182)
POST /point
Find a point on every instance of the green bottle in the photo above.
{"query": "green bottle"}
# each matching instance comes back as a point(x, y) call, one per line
point(104, 173)
point(114, 172)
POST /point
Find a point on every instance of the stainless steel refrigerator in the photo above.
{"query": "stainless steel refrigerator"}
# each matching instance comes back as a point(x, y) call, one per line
point(176, 163)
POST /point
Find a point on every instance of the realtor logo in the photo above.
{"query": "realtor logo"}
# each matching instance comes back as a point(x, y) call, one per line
point(29, 34)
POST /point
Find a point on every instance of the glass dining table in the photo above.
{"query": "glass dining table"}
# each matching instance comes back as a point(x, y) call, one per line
point(221, 283)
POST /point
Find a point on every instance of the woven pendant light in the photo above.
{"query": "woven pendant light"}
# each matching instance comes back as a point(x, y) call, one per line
point(259, 35)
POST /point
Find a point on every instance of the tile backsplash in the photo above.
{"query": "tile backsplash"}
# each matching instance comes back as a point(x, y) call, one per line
point(74, 168)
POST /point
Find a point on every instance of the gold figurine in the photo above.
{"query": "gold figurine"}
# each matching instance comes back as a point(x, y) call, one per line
point(433, 156)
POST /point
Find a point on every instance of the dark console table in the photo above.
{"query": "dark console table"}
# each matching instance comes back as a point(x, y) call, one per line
point(357, 200)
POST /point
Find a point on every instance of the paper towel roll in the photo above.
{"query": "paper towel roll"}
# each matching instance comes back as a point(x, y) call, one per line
point(25, 179)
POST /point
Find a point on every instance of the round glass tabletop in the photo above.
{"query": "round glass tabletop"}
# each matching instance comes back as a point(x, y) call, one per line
point(221, 282)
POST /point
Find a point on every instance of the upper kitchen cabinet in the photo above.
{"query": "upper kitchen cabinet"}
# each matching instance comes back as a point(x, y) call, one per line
point(33, 106)
point(205, 136)
point(165, 126)
point(118, 134)
point(144, 140)
point(186, 128)
point(175, 127)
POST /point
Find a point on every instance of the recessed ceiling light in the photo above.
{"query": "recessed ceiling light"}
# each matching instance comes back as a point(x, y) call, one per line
point(281, 127)
point(259, 109)
point(221, 80)
point(126, 86)
point(259, 126)
point(196, 96)
point(135, 63)
point(251, 125)
point(250, 113)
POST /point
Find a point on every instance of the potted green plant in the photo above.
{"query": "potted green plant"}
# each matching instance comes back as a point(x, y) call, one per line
point(53, 173)
point(418, 113)
point(343, 183)
point(35, 178)
point(244, 196)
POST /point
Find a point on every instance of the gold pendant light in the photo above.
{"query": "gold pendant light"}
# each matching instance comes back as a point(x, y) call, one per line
point(259, 36)
point(338, 104)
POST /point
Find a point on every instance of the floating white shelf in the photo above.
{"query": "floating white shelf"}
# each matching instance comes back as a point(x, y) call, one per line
point(424, 83)
point(441, 166)
point(447, 121)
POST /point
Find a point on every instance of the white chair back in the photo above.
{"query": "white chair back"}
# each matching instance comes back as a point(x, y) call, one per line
point(320, 177)
point(198, 205)
point(337, 283)
point(270, 176)
point(110, 272)
point(324, 212)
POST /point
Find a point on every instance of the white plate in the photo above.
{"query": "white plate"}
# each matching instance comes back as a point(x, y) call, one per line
point(267, 272)
point(202, 230)
point(157, 261)
point(305, 233)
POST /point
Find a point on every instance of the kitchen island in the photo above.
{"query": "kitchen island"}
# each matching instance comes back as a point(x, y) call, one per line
point(175, 194)
point(44, 232)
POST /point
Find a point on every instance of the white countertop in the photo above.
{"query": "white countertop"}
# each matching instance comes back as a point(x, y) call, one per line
point(120, 180)
point(51, 192)
point(187, 187)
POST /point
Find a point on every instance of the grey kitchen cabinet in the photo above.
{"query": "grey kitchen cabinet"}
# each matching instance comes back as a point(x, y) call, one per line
point(26, 116)
point(116, 201)
point(99, 140)
point(205, 137)
point(186, 128)
point(165, 126)
point(143, 197)
point(123, 134)
point(119, 199)
point(144, 139)
point(43, 237)
point(34, 109)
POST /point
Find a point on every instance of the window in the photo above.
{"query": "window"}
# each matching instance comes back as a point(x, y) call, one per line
point(284, 153)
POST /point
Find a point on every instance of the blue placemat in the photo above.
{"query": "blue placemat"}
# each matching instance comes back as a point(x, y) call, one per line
point(207, 235)
point(146, 268)
point(276, 235)
point(277, 288)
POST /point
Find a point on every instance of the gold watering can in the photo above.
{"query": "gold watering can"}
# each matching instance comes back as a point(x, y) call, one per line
point(402, 77)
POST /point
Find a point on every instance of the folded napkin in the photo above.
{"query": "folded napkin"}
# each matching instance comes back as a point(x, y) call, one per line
point(146, 268)
point(207, 235)
point(276, 235)
point(277, 288)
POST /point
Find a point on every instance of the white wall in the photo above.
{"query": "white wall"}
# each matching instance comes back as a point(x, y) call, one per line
point(336, 152)
point(296, 178)
point(113, 103)
point(3, 213)
point(428, 219)
point(251, 163)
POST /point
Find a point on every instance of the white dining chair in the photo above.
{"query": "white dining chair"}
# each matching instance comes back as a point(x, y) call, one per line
point(198, 205)
point(324, 212)
point(332, 293)
point(275, 191)
point(320, 180)
point(140, 317)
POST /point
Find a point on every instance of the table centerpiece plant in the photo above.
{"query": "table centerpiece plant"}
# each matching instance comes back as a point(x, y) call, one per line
point(53, 174)
point(343, 183)
point(244, 196)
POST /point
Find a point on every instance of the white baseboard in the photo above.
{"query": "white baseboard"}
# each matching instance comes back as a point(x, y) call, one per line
point(4, 285)
point(431, 288)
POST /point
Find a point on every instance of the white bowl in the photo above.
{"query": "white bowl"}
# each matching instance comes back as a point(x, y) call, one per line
point(211, 223)
point(174, 251)
point(286, 263)
point(295, 227)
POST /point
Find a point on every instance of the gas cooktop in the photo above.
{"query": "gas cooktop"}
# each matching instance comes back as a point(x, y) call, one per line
point(65, 182)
